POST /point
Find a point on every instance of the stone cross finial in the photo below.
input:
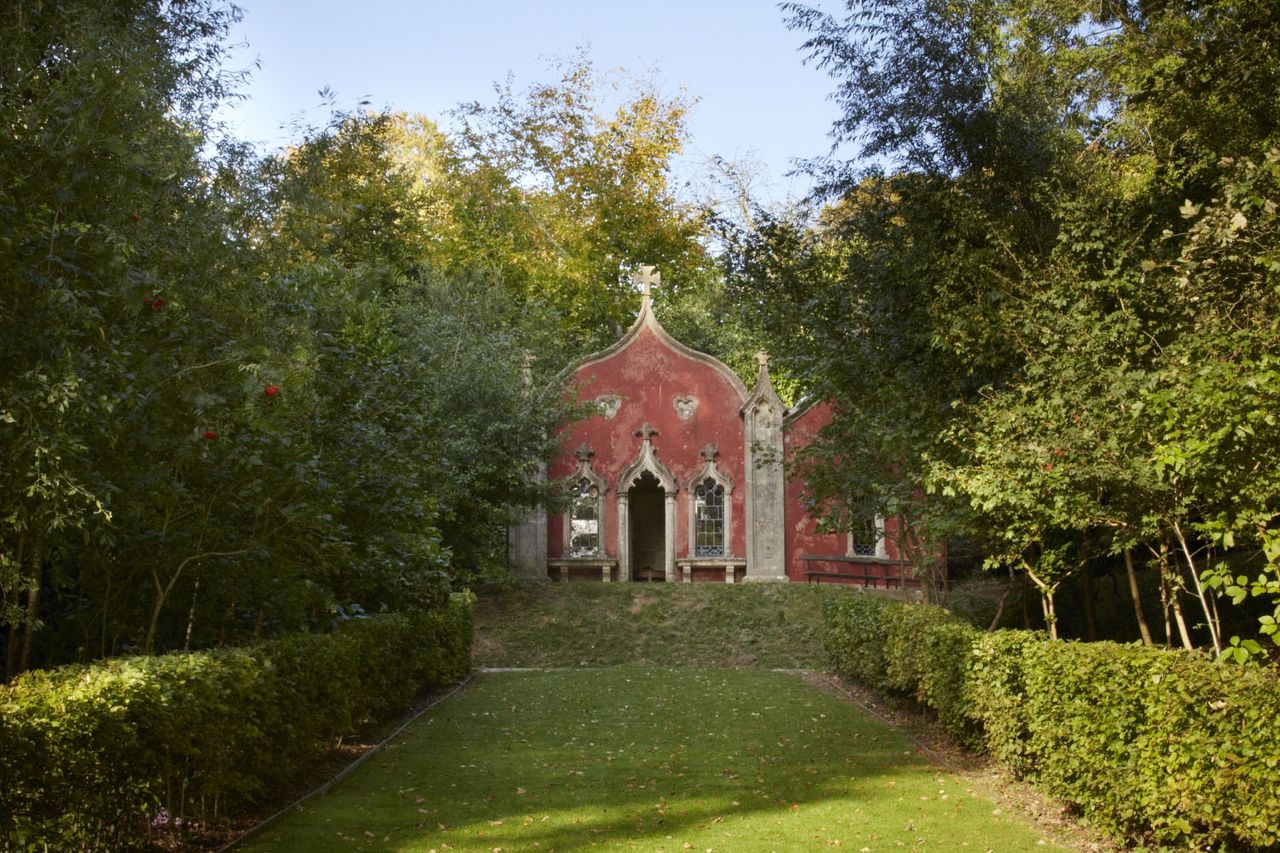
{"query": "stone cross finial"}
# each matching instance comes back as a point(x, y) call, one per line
point(646, 278)
point(762, 359)
point(584, 452)
point(710, 452)
point(646, 431)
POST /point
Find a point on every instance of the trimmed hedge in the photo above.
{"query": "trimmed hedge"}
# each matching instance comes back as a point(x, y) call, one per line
point(1153, 746)
point(113, 754)
point(909, 649)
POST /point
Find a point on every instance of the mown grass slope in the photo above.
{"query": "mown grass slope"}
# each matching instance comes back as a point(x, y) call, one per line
point(695, 625)
point(651, 759)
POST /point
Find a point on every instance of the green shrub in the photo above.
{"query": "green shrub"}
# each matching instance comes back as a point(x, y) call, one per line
point(944, 675)
point(90, 755)
point(1155, 747)
point(854, 637)
point(996, 696)
point(905, 653)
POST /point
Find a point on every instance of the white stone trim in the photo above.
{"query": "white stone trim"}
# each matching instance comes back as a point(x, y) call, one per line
point(881, 552)
point(709, 469)
point(646, 319)
point(646, 460)
point(765, 499)
point(584, 471)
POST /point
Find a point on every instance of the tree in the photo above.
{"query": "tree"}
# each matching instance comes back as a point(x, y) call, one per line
point(1062, 333)
point(105, 221)
point(561, 197)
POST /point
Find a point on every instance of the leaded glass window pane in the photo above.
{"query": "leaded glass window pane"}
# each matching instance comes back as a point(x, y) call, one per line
point(708, 519)
point(584, 520)
point(864, 537)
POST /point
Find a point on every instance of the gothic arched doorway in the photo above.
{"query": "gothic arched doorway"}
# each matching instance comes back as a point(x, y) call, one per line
point(646, 501)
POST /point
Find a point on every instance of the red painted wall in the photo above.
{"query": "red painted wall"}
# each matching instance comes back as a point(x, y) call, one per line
point(648, 374)
point(802, 535)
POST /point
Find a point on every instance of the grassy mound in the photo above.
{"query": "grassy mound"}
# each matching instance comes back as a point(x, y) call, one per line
point(696, 625)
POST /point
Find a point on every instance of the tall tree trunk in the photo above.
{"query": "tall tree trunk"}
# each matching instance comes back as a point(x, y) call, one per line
point(1050, 616)
point(1026, 603)
point(1004, 598)
point(1210, 614)
point(15, 641)
point(33, 603)
point(1172, 585)
point(1181, 622)
point(226, 618)
point(1137, 598)
point(1165, 611)
point(191, 615)
point(29, 626)
point(14, 649)
point(1086, 592)
point(163, 590)
point(1047, 604)
point(153, 622)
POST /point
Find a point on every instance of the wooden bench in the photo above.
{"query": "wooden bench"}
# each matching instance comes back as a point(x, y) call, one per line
point(859, 571)
point(815, 577)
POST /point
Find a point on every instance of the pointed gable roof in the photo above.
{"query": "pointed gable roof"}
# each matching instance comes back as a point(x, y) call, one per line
point(647, 320)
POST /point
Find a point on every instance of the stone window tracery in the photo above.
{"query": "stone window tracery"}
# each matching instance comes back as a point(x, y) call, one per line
point(584, 519)
point(710, 509)
point(708, 519)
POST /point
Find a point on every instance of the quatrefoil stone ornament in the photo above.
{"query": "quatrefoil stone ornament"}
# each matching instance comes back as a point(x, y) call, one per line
point(685, 405)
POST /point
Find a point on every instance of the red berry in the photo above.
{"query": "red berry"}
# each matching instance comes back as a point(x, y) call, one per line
point(209, 435)
point(271, 390)
point(133, 217)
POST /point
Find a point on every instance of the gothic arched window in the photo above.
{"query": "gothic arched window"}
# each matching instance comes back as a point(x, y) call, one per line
point(866, 537)
point(708, 519)
point(584, 520)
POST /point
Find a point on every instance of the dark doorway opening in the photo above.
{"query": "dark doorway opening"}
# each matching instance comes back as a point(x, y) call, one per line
point(646, 502)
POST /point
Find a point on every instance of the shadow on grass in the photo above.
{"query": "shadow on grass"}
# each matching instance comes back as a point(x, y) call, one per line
point(650, 760)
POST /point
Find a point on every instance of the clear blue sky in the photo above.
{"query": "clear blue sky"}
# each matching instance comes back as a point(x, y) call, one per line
point(757, 100)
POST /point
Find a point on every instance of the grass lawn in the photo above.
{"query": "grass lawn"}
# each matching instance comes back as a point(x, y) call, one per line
point(663, 624)
point(654, 760)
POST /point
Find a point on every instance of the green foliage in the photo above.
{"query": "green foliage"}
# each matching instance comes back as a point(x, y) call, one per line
point(854, 638)
point(944, 679)
point(1156, 747)
point(997, 692)
point(918, 651)
point(234, 400)
point(905, 654)
point(1062, 295)
point(91, 754)
point(561, 189)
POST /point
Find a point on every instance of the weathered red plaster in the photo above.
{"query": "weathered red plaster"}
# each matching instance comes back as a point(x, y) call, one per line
point(647, 371)
point(648, 374)
point(802, 534)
